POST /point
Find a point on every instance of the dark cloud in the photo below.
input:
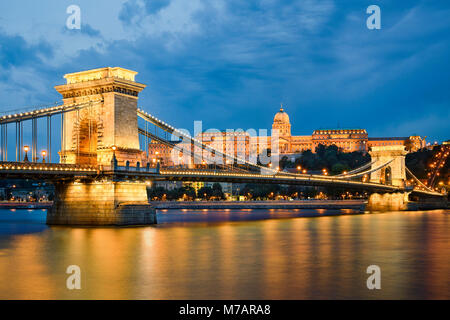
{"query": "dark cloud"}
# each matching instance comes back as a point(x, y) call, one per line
point(16, 52)
point(133, 9)
point(91, 32)
point(129, 10)
point(153, 6)
point(85, 29)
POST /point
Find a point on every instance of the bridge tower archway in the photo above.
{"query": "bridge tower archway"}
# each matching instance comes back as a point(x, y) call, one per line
point(395, 172)
point(85, 141)
point(386, 175)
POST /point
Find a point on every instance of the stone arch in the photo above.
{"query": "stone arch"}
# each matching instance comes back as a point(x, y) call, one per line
point(85, 139)
point(386, 175)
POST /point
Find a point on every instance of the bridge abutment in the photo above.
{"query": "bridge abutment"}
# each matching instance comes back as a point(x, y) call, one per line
point(105, 203)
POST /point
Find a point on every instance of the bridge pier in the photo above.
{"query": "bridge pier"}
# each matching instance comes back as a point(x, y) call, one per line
point(388, 202)
point(105, 203)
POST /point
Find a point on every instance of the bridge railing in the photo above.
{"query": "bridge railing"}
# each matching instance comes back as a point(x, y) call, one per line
point(39, 166)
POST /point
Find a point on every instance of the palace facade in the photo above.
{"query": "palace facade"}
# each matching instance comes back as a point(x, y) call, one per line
point(243, 144)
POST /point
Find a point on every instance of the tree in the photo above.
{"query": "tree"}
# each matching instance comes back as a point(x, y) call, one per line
point(217, 191)
point(338, 168)
point(205, 192)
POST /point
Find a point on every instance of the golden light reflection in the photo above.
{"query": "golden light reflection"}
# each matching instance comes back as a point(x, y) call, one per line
point(297, 258)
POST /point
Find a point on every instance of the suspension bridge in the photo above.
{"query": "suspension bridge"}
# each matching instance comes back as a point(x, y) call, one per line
point(104, 167)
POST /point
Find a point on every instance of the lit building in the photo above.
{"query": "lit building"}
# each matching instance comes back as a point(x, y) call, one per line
point(197, 185)
point(348, 140)
point(159, 152)
point(226, 186)
point(244, 145)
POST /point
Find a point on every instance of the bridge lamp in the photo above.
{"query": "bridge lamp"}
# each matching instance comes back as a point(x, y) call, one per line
point(114, 148)
point(304, 171)
point(26, 148)
point(44, 154)
point(299, 168)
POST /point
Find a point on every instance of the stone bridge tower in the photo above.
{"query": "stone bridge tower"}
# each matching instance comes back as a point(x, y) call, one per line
point(394, 173)
point(89, 134)
point(107, 126)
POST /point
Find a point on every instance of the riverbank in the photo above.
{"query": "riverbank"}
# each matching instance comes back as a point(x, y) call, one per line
point(296, 204)
point(271, 204)
point(25, 205)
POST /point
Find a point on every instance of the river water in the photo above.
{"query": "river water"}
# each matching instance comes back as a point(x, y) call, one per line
point(230, 254)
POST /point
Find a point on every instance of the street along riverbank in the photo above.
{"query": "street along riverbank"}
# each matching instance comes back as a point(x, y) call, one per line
point(296, 204)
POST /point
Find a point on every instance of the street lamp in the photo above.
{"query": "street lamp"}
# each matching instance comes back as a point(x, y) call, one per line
point(114, 160)
point(44, 154)
point(26, 148)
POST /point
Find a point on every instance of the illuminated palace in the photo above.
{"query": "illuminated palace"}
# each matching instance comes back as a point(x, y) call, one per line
point(243, 143)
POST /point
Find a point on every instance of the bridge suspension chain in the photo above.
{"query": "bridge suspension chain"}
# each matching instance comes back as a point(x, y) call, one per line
point(197, 143)
point(363, 167)
point(439, 163)
point(20, 115)
point(43, 112)
point(178, 148)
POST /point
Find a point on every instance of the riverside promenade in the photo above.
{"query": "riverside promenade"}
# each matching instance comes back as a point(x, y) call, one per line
point(275, 204)
point(25, 205)
point(269, 204)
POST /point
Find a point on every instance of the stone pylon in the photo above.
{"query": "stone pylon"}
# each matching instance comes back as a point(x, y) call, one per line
point(108, 118)
point(103, 132)
point(395, 172)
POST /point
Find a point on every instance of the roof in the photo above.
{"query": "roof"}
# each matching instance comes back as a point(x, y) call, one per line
point(281, 116)
point(342, 131)
point(388, 138)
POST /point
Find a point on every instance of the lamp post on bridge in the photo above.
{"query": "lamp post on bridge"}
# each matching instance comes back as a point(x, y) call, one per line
point(44, 154)
point(26, 148)
point(114, 160)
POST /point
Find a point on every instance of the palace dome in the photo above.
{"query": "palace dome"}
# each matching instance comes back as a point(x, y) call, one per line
point(281, 116)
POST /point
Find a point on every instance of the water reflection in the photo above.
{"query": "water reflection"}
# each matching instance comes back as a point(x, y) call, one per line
point(300, 258)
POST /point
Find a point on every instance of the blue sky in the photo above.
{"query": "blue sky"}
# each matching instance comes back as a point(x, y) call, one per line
point(231, 62)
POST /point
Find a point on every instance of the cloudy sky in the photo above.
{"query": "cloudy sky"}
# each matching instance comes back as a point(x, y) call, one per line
point(231, 62)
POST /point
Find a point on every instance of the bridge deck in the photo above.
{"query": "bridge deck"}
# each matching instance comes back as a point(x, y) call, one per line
point(53, 171)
